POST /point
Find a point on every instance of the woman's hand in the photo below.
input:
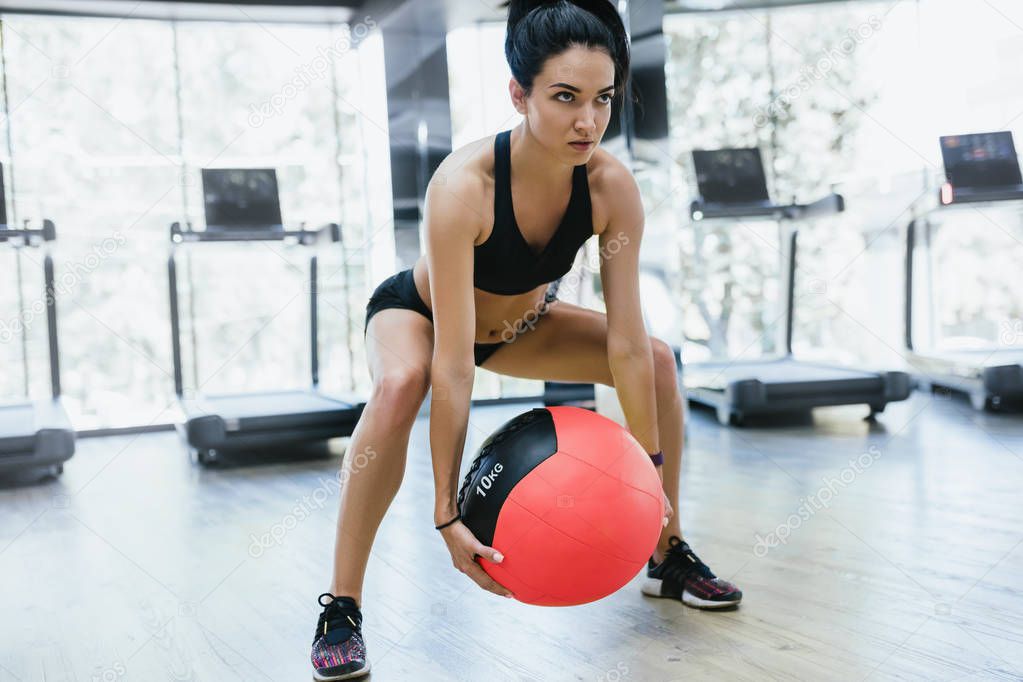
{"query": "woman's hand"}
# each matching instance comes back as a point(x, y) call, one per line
point(464, 548)
point(668, 511)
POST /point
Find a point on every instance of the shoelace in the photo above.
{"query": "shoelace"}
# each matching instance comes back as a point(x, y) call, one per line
point(339, 620)
point(680, 561)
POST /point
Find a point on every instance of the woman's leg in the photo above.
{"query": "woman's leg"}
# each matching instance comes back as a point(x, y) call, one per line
point(569, 343)
point(399, 347)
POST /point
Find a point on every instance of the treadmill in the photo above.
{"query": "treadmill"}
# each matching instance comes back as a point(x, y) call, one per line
point(981, 171)
point(36, 434)
point(243, 205)
point(732, 185)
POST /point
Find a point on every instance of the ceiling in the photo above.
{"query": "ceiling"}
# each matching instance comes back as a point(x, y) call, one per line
point(312, 11)
point(689, 6)
point(292, 11)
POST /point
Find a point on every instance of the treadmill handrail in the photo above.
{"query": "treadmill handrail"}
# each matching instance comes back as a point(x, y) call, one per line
point(932, 198)
point(29, 236)
point(790, 290)
point(33, 238)
point(330, 232)
point(922, 208)
point(908, 288)
point(972, 198)
point(828, 205)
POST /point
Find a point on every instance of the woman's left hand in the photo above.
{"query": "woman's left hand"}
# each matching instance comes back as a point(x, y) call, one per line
point(668, 511)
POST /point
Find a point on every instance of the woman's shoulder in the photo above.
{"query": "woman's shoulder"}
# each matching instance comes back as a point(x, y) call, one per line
point(471, 165)
point(607, 174)
point(609, 182)
point(464, 181)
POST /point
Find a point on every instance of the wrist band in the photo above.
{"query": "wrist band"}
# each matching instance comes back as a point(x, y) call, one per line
point(445, 525)
point(657, 458)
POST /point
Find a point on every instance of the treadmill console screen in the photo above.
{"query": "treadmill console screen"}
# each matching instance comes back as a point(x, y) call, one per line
point(980, 160)
point(730, 176)
point(241, 198)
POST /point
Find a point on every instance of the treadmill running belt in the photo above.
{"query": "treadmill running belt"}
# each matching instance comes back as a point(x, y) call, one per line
point(17, 420)
point(988, 357)
point(768, 372)
point(268, 404)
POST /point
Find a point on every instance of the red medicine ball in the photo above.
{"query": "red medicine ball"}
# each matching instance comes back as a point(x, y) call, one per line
point(570, 499)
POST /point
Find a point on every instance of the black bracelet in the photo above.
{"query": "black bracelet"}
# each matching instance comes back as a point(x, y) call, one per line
point(657, 458)
point(445, 525)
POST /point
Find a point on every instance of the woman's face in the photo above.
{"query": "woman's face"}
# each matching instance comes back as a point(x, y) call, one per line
point(570, 103)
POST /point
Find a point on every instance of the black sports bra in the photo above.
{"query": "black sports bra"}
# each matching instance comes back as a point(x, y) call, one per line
point(505, 263)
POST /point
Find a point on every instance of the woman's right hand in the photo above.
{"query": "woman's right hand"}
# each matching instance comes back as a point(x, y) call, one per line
point(464, 547)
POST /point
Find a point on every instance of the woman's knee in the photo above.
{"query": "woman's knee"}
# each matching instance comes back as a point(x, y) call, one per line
point(399, 392)
point(665, 369)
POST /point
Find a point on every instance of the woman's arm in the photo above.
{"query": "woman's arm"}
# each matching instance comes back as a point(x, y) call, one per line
point(452, 224)
point(628, 345)
point(451, 227)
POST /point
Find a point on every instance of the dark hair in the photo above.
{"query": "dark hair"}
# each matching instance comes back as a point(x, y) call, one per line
point(540, 30)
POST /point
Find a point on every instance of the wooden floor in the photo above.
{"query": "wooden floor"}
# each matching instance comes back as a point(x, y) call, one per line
point(138, 565)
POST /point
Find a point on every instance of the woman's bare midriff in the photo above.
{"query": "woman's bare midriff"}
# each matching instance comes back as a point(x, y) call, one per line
point(497, 316)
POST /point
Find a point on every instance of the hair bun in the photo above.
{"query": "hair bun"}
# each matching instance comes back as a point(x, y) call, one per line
point(520, 8)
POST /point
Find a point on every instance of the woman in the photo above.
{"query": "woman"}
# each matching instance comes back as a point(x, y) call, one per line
point(504, 217)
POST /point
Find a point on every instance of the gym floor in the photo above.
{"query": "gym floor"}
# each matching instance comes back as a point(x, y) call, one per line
point(137, 562)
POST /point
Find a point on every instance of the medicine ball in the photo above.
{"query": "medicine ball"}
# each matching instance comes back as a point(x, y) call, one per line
point(570, 499)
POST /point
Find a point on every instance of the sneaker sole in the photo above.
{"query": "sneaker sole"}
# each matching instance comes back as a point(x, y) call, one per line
point(651, 587)
point(347, 676)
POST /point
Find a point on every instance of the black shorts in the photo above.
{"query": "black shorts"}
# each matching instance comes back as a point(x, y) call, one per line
point(399, 291)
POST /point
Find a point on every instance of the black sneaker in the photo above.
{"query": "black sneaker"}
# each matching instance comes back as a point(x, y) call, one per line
point(338, 650)
point(683, 576)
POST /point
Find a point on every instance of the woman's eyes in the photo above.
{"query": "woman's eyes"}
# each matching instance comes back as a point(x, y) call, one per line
point(605, 98)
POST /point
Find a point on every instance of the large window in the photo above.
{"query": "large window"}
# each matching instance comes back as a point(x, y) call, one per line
point(111, 121)
point(478, 77)
point(92, 123)
point(849, 97)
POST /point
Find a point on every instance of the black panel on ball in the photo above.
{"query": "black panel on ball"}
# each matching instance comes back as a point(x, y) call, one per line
point(503, 460)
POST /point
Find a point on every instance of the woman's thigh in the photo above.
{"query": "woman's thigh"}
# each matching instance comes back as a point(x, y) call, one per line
point(568, 343)
point(399, 342)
